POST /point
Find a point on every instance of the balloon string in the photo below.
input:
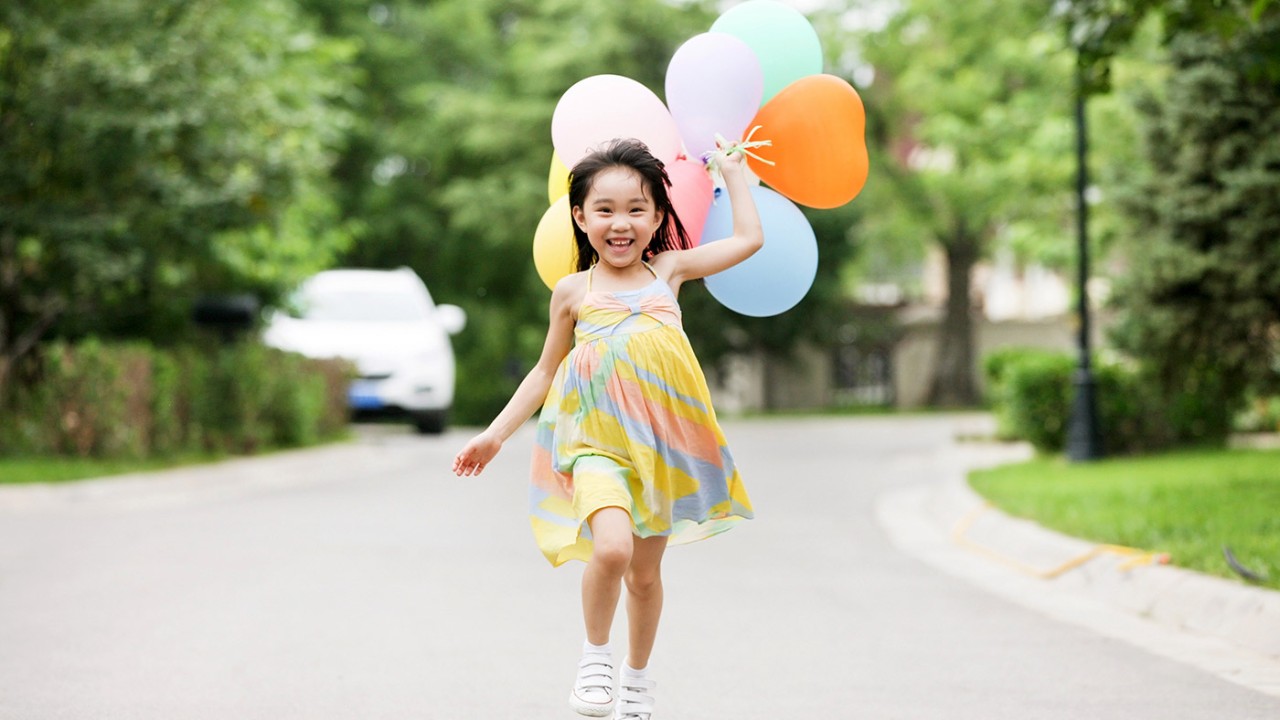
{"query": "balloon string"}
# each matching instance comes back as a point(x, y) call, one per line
point(744, 146)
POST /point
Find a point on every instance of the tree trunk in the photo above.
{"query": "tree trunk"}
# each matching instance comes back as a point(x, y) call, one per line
point(15, 341)
point(953, 384)
point(8, 302)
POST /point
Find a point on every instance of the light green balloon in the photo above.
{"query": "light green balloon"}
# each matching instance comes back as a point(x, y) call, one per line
point(783, 40)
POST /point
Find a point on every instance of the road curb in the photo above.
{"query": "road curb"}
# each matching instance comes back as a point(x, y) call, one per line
point(1245, 616)
point(181, 485)
point(1221, 626)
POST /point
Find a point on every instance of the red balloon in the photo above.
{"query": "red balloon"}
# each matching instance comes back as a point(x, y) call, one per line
point(817, 126)
point(691, 194)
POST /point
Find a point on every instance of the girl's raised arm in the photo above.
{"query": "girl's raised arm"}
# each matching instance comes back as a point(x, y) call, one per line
point(747, 238)
point(482, 448)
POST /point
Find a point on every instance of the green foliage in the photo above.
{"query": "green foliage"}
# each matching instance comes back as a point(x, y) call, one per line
point(1201, 305)
point(445, 172)
point(154, 150)
point(1100, 30)
point(92, 401)
point(1036, 398)
point(976, 126)
point(996, 370)
point(971, 121)
point(1032, 390)
point(1260, 414)
point(131, 401)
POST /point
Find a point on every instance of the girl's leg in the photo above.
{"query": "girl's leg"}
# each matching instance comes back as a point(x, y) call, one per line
point(601, 581)
point(644, 598)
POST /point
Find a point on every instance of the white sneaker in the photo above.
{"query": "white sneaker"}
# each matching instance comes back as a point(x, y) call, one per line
point(593, 693)
point(635, 699)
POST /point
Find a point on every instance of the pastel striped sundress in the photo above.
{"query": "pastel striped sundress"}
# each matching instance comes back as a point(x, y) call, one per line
point(628, 422)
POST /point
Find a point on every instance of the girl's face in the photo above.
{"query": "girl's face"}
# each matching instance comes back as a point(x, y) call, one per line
point(618, 216)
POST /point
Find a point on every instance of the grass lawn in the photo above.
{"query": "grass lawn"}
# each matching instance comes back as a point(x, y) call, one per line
point(39, 469)
point(1188, 504)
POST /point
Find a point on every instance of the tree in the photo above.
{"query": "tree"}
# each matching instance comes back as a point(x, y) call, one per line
point(446, 171)
point(154, 150)
point(1197, 309)
point(975, 139)
point(1202, 307)
point(1099, 30)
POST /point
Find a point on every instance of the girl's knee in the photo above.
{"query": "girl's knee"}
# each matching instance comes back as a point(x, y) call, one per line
point(613, 554)
point(611, 538)
point(643, 581)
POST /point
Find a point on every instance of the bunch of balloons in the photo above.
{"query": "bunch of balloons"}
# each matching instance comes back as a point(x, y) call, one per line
point(760, 65)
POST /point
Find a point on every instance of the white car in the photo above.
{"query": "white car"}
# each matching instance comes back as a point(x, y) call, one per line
point(385, 322)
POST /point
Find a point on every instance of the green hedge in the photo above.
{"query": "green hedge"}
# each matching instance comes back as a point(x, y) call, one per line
point(1261, 414)
point(1031, 393)
point(1022, 386)
point(107, 401)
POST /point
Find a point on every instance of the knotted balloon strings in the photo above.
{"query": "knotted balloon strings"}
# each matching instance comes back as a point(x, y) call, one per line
point(743, 146)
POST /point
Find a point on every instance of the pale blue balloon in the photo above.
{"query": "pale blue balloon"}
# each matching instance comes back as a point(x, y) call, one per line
point(778, 275)
point(783, 40)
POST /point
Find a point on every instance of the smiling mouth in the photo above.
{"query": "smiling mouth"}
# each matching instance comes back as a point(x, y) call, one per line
point(619, 242)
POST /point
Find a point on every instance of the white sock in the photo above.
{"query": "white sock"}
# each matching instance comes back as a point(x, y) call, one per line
point(587, 647)
point(641, 674)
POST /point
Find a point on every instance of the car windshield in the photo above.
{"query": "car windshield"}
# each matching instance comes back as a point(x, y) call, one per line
point(361, 306)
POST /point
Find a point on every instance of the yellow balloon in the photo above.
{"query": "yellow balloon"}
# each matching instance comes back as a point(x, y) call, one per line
point(558, 179)
point(555, 253)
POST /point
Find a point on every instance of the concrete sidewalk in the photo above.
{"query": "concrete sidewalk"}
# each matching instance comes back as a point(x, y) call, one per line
point(1221, 626)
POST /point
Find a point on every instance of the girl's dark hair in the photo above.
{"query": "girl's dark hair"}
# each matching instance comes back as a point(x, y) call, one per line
point(634, 155)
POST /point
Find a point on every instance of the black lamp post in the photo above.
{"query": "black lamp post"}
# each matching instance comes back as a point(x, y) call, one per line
point(1083, 437)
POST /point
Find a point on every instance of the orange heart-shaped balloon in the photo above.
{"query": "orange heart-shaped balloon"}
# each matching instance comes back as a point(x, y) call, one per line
point(817, 126)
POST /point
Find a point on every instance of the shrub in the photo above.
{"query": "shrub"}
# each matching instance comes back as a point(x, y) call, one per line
point(1037, 397)
point(92, 400)
point(1033, 392)
point(167, 419)
point(1261, 414)
point(995, 369)
point(103, 400)
point(337, 376)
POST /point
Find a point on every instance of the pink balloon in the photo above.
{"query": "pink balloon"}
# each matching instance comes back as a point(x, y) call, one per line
point(714, 85)
point(601, 108)
point(691, 194)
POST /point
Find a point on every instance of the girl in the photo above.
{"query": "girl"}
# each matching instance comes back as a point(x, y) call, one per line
point(628, 455)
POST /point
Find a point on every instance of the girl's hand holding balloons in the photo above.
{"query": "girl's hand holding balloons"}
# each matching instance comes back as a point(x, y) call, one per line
point(716, 160)
point(727, 159)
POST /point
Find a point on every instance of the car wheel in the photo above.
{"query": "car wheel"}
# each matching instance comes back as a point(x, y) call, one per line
point(430, 422)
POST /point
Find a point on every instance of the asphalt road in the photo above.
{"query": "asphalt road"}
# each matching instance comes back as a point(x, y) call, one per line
point(365, 581)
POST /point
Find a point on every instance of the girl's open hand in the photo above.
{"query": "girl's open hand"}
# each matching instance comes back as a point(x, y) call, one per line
point(476, 454)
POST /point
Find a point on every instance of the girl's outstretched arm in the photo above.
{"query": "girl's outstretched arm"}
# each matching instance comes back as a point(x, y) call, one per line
point(747, 238)
point(482, 448)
